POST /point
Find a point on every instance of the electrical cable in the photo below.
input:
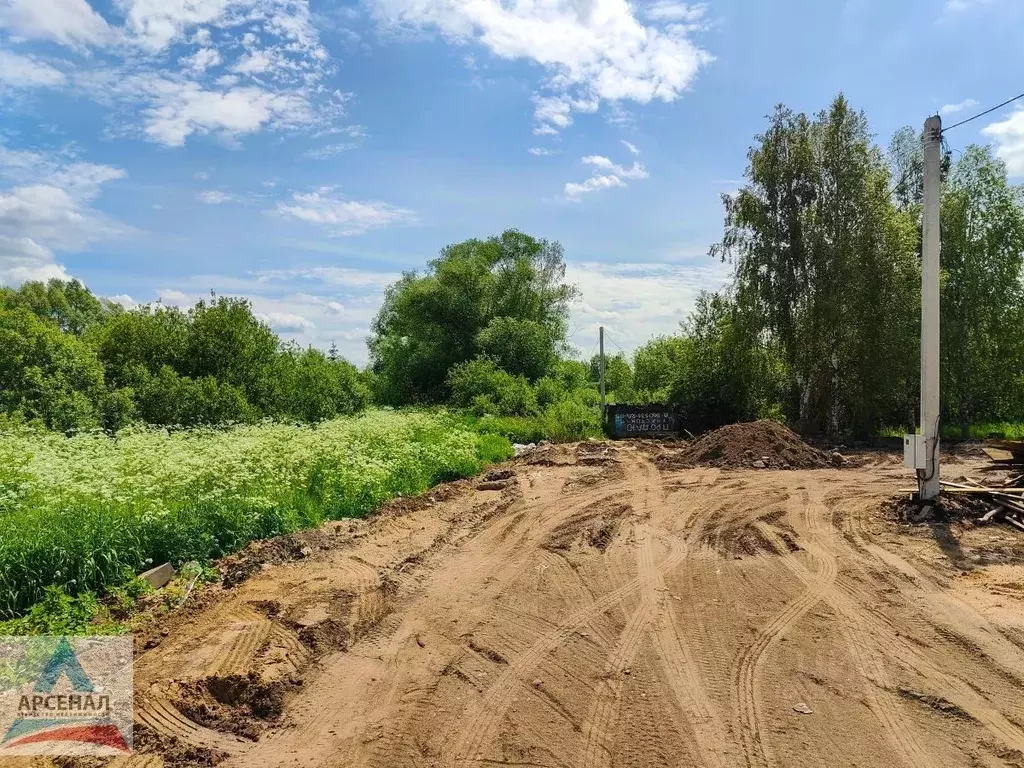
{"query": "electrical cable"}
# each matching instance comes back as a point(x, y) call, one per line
point(986, 112)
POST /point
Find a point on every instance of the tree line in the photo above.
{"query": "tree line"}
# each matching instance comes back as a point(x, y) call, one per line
point(821, 320)
point(73, 361)
point(819, 325)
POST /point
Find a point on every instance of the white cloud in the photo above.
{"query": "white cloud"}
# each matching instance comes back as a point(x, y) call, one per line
point(607, 175)
point(636, 171)
point(286, 321)
point(952, 109)
point(630, 146)
point(340, 216)
point(1008, 136)
point(68, 22)
point(124, 300)
point(336, 277)
point(321, 153)
point(171, 297)
point(962, 6)
point(540, 151)
point(180, 109)
point(186, 67)
point(215, 197)
point(592, 51)
point(202, 60)
point(670, 10)
point(593, 184)
point(45, 208)
point(636, 301)
point(27, 72)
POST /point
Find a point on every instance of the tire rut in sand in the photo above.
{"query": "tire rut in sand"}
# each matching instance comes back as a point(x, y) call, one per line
point(866, 648)
point(480, 727)
point(748, 702)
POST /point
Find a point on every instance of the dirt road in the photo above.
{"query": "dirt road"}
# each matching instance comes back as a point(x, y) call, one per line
point(600, 611)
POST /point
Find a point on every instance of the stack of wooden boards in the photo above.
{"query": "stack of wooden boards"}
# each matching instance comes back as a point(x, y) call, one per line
point(1005, 498)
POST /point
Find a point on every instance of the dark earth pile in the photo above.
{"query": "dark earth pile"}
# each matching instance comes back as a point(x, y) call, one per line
point(757, 444)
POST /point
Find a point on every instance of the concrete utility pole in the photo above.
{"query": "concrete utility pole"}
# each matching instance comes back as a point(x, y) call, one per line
point(928, 472)
point(601, 365)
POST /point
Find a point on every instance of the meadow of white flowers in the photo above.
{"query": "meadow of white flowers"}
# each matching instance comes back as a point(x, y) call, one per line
point(87, 511)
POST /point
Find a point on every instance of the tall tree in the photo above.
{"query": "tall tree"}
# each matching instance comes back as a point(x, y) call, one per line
point(982, 299)
point(824, 258)
point(429, 323)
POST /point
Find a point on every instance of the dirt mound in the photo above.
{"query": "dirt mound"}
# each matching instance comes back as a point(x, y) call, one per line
point(757, 444)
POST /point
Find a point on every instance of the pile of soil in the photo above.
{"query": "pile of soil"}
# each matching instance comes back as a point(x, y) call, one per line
point(757, 444)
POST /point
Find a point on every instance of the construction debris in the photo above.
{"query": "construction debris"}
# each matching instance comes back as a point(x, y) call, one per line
point(1005, 500)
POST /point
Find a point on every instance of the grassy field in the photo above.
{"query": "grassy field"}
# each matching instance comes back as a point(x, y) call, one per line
point(85, 513)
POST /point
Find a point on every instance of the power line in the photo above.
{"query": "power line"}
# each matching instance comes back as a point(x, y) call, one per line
point(902, 181)
point(608, 337)
point(982, 114)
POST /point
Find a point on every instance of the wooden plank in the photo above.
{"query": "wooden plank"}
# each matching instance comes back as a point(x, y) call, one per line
point(997, 454)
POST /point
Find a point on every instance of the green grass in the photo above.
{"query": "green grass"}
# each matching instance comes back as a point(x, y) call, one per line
point(82, 515)
point(1008, 430)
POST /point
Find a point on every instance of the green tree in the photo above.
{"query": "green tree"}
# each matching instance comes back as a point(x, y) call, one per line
point(68, 304)
point(430, 323)
point(825, 260)
point(520, 346)
point(483, 387)
point(47, 374)
point(982, 299)
point(226, 341)
point(148, 336)
point(657, 364)
point(729, 374)
point(618, 377)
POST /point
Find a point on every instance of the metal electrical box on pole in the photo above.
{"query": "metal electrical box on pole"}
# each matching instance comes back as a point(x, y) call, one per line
point(921, 452)
point(601, 364)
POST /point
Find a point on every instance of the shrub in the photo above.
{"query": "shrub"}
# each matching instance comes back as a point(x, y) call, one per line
point(482, 386)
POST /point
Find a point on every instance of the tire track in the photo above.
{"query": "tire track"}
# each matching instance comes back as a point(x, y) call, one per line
point(898, 729)
point(745, 690)
point(600, 722)
point(479, 728)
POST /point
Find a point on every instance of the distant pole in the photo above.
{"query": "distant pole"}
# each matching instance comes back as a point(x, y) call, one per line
point(928, 477)
point(601, 365)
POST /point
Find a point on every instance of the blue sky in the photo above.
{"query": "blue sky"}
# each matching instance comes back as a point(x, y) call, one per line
point(304, 153)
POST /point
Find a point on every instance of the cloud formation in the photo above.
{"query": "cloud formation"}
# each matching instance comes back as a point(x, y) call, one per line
point(45, 206)
point(952, 109)
point(18, 71)
point(607, 175)
point(340, 216)
point(1008, 136)
point(187, 67)
point(592, 51)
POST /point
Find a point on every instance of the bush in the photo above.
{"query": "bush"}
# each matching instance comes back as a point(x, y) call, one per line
point(481, 386)
point(571, 420)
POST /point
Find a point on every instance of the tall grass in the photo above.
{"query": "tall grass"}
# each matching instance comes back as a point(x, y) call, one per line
point(87, 512)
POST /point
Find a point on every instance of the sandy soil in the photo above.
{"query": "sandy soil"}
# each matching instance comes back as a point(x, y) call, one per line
point(593, 610)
